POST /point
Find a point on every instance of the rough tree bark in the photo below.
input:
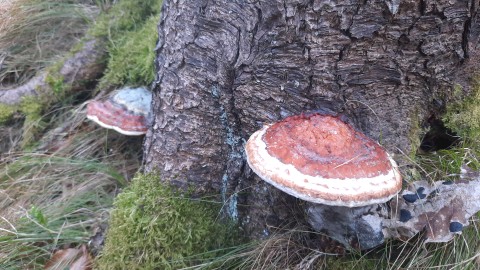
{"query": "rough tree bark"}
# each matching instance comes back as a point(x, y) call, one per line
point(227, 67)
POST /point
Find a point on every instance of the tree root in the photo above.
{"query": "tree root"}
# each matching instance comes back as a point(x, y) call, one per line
point(83, 66)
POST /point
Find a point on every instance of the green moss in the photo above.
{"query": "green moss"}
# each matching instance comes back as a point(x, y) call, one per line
point(463, 117)
point(131, 61)
point(56, 83)
point(124, 16)
point(6, 113)
point(155, 227)
point(32, 107)
point(130, 28)
point(57, 88)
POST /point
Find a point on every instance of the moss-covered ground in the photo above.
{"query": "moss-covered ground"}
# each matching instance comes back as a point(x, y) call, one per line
point(160, 228)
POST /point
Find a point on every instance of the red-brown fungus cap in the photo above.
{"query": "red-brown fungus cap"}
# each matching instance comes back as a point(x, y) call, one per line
point(321, 159)
point(127, 111)
point(112, 116)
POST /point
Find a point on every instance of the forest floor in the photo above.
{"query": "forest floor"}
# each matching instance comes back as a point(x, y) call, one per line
point(60, 174)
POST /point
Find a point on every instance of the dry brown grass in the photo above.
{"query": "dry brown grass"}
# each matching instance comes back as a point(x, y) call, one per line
point(33, 33)
point(58, 194)
point(9, 13)
point(75, 150)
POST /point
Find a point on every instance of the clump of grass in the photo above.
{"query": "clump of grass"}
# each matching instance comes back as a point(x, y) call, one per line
point(154, 226)
point(57, 194)
point(293, 249)
point(48, 203)
point(11, 137)
point(445, 164)
point(286, 249)
point(35, 32)
point(460, 253)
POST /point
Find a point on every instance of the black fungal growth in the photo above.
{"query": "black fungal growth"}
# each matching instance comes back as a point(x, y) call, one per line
point(433, 194)
point(420, 193)
point(456, 226)
point(411, 198)
point(405, 215)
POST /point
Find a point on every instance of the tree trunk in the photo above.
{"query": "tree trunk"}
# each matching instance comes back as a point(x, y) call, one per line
point(225, 68)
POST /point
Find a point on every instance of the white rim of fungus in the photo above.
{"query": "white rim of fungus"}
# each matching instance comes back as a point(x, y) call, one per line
point(266, 165)
point(125, 132)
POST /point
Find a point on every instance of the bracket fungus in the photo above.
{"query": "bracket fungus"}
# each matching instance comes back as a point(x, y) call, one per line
point(321, 159)
point(127, 111)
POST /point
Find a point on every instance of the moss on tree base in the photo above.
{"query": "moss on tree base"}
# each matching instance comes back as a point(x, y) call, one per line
point(153, 226)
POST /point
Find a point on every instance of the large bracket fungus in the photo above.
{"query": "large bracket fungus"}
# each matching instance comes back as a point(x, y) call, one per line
point(347, 179)
point(127, 111)
point(321, 159)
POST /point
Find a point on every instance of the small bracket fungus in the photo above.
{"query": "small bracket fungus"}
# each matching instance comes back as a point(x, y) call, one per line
point(126, 111)
point(442, 209)
point(321, 159)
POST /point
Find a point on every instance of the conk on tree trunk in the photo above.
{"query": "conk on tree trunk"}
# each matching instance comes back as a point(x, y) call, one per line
point(226, 68)
point(320, 159)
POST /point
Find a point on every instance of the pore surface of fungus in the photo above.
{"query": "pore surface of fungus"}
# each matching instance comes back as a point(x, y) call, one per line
point(321, 159)
point(127, 111)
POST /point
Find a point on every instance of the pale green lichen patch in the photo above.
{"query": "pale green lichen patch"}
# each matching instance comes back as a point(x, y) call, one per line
point(56, 81)
point(153, 226)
